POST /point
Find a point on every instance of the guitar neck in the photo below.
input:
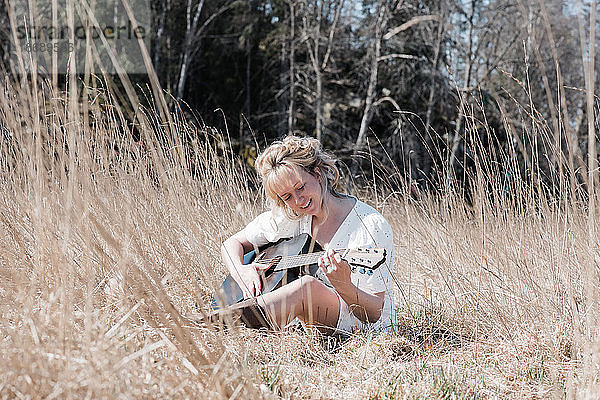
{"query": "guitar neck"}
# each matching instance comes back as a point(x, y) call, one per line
point(363, 259)
point(299, 260)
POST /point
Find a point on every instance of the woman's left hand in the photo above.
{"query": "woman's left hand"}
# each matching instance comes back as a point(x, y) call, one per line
point(365, 306)
point(335, 268)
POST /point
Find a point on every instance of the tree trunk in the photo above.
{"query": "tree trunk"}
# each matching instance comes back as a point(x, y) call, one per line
point(592, 157)
point(291, 122)
point(190, 33)
point(159, 33)
point(382, 18)
point(555, 157)
point(183, 74)
point(467, 79)
point(589, 69)
point(574, 152)
point(373, 73)
point(248, 64)
point(430, 101)
point(318, 77)
point(282, 100)
point(319, 104)
point(319, 66)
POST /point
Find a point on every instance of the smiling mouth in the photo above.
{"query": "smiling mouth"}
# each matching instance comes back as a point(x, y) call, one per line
point(307, 204)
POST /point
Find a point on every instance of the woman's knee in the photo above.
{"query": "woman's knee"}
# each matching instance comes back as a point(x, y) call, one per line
point(310, 283)
point(320, 304)
point(315, 291)
point(308, 290)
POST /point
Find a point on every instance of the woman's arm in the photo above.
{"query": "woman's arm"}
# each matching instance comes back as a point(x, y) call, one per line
point(365, 306)
point(246, 276)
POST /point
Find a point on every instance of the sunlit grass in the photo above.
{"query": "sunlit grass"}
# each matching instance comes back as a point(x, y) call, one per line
point(102, 250)
point(106, 242)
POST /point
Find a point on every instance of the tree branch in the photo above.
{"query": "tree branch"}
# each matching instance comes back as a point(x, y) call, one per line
point(413, 21)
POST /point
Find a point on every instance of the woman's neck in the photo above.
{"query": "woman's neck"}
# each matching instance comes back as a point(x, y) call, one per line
point(325, 227)
point(336, 207)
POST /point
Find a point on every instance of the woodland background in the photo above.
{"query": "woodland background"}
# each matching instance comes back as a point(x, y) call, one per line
point(430, 86)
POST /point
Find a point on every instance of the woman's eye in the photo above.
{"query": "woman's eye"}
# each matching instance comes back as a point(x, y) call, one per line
point(301, 187)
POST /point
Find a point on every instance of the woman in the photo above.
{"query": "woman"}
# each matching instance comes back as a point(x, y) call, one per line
point(300, 178)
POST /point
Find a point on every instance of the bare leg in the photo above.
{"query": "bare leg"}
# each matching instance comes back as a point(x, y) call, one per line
point(306, 298)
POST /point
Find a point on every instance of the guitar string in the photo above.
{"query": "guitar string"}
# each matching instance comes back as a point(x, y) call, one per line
point(297, 261)
point(282, 263)
point(300, 259)
point(297, 257)
point(294, 258)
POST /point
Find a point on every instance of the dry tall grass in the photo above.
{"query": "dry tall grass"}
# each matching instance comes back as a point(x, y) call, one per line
point(106, 241)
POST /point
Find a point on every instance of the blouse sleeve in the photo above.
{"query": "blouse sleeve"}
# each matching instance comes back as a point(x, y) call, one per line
point(377, 233)
point(269, 227)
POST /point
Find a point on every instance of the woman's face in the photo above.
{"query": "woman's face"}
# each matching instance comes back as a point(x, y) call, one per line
point(300, 191)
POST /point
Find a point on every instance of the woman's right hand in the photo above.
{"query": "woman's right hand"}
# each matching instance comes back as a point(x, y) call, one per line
point(248, 279)
point(246, 276)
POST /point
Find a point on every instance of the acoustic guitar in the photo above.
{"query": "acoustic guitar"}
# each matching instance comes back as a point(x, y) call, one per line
point(288, 260)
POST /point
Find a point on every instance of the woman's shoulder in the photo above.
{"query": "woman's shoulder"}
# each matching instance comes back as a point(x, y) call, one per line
point(274, 219)
point(370, 216)
point(365, 209)
point(271, 226)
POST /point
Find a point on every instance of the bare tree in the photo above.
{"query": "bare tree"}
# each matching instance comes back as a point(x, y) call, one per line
point(434, 76)
point(574, 152)
point(318, 16)
point(195, 29)
point(468, 62)
point(375, 57)
point(588, 67)
point(160, 30)
point(375, 53)
point(489, 32)
point(435, 65)
point(291, 114)
point(546, 93)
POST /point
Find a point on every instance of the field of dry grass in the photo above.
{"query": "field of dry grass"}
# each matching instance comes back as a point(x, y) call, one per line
point(105, 242)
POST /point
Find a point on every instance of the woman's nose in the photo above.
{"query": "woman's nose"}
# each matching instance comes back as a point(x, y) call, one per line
point(298, 199)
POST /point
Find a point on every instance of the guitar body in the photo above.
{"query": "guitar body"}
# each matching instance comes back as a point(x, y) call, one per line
point(230, 293)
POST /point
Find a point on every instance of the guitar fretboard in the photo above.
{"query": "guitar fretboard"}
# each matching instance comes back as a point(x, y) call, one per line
point(299, 260)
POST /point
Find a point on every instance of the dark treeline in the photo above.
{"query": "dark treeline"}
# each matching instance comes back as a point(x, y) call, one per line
point(427, 90)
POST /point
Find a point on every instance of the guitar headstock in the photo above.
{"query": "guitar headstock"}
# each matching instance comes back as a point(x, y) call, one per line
point(365, 260)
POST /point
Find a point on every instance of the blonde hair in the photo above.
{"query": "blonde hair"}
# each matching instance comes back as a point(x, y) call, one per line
point(295, 151)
